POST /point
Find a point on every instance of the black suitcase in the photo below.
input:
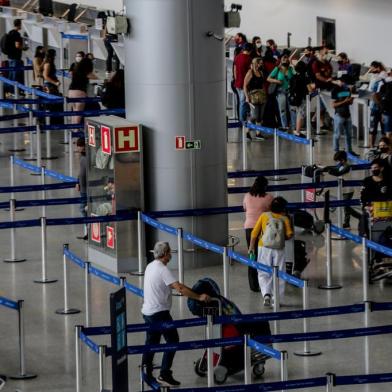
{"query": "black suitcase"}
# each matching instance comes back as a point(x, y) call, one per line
point(303, 220)
point(300, 257)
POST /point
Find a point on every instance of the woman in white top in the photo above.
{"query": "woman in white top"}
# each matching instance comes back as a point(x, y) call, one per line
point(255, 202)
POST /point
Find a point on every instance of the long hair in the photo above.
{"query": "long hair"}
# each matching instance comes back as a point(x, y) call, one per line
point(259, 187)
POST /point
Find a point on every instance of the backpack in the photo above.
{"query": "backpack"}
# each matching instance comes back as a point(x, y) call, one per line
point(5, 44)
point(274, 236)
point(296, 93)
point(386, 98)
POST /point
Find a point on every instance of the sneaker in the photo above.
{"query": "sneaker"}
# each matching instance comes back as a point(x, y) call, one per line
point(267, 300)
point(168, 381)
point(300, 135)
point(354, 154)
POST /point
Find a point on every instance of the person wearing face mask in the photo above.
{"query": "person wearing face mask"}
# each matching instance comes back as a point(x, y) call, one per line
point(383, 97)
point(257, 50)
point(240, 40)
point(384, 152)
point(159, 282)
point(38, 65)
point(272, 50)
point(341, 102)
point(344, 64)
point(78, 58)
point(280, 77)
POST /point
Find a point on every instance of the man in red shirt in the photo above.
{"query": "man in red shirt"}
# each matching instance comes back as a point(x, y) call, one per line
point(241, 67)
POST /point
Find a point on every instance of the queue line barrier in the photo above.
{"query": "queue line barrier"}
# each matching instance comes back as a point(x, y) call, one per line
point(19, 307)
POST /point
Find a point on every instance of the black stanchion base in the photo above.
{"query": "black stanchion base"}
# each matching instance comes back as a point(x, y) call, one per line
point(17, 150)
point(14, 260)
point(277, 179)
point(67, 311)
point(35, 174)
point(49, 158)
point(338, 238)
point(307, 354)
point(331, 287)
point(29, 159)
point(136, 273)
point(45, 281)
point(23, 377)
point(16, 209)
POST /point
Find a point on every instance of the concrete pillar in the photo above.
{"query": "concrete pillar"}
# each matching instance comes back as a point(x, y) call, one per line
point(175, 86)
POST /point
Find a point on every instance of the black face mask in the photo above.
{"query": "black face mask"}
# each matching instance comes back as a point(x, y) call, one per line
point(376, 172)
point(340, 62)
point(285, 64)
point(384, 149)
point(260, 68)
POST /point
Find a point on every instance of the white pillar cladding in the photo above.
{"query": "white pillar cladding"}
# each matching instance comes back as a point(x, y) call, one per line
point(175, 86)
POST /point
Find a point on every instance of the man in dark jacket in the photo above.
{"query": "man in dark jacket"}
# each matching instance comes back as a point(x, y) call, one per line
point(15, 49)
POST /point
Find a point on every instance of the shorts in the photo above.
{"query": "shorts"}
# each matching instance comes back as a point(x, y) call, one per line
point(387, 121)
point(300, 110)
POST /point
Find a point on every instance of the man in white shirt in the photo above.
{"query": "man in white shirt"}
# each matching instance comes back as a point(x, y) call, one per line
point(158, 283)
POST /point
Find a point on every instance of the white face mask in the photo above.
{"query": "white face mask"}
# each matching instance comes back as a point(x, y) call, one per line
point(259, 45)
point(78, 59)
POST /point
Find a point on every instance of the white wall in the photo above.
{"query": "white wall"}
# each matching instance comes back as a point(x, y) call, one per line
point(363, 27)
point(115, 5)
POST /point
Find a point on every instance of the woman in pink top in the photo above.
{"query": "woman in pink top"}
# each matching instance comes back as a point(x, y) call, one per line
point(256, 201)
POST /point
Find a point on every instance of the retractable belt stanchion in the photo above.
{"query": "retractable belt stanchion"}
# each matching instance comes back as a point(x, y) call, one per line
point(244, 148)
point(44, 279)
point(16, 137)
point(43, 192)
point(308, 119)
point(65, 141)
point(12, 179)
point(48, 136)
point(302, 191)
point(311, 152)
point(140, 245)
point(71, 152)
point(87, 291)
point(328, 242)
point(365, 271)
point(78, 359)
point(210, 353)
point(340, 210)
point(276, 156)
point(31, 123)
point(180, 254)
point(13, 258)
point(2, 97)
point(318, 113)
point(22, 356)
point(225, 260)
point(247, 361)
point(365, 119)
point(307, 352)
point(276, 295)
point(38, 143)
point(102, 367)
point(66, 309)
point(330, 382)
point(283, 366)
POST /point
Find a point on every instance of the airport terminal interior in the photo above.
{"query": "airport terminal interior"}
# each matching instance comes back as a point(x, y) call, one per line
point(184, 104)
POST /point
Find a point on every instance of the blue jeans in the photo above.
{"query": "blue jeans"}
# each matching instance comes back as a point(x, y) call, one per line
point(154, 337)
point(387, 121)
point(244, 107)
point(342, 125)
point(17, 76)
point(285, 111)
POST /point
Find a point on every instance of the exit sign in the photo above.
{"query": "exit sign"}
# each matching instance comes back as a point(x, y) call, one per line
point(193, 145)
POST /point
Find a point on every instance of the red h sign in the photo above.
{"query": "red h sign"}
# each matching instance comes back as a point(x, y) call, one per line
point(106, 142)
point(126, 140)
point(96, 232)
point(180, 142)
point(110, 237)
point(91, 135)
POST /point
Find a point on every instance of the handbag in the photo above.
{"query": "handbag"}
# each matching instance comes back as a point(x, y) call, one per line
point(272, 88)
point(257, 97)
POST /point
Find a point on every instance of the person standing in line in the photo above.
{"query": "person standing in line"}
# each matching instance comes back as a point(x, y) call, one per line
point(273, 229)
point(15, 49)
point(158, 284)
point(51, 81)
point(255, 202)
point(81, 186)
point(242, 64)
point(38, 65)
point(341, 102)
point(257, 50)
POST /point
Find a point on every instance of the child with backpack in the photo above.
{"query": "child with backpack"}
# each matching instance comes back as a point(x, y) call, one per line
point(272, 229)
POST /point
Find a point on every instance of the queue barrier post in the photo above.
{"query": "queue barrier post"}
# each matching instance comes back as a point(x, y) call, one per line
point(244, 148)
point(210, 352)
point(2, 97)
point(283, 366)
point(15, 123)
point(330, 382)
point(22, 356)
point(65, 141)
point(12, 179)
point(340, 197)
point(180, 254)
point(44, 278)
point(329, 285)
point(225, 260)
point(365, 270)
point(247, 361)
point(311, 152)
point(140, 245)
point(31, 124)
point(66, 309)
point(141, 381)
point(43, 192)
point(48, 136)
point(123, 280)
point(302, 191)
point(318, 114)
point(13, 258)
point(276, 154)
point(308, 118)
point(102, 367)
point(275, 288)
point(71, 152)
point(307, 352)
point(87, 291)
point(78, 359)
point(38, 142)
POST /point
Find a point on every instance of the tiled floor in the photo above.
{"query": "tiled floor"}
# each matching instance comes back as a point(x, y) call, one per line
point(50, 337)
